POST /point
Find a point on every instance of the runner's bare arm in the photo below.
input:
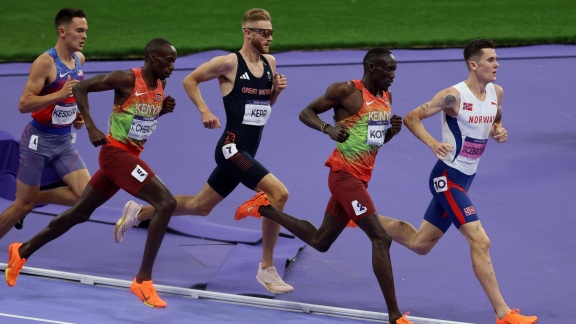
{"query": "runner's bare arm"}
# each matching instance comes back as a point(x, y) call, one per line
point(447, 100)
point(218, 67)
point(334, 96)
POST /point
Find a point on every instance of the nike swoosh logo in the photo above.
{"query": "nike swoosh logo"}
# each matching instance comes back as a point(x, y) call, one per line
point(249, 209)
point(63, 75)
point(368, 103)
point(144, 295)
point(138, 94)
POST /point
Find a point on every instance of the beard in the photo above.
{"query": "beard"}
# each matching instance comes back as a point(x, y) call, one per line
point(259, 46)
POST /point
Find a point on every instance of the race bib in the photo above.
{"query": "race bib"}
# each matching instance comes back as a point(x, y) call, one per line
point(440, 184)
point(359, 209)
point(229, 150)
point(473, 148)
point(33, 144)
point(139, 173)
point(64, 114)
point(377, 132)
point(256, 112)
point(142, 127)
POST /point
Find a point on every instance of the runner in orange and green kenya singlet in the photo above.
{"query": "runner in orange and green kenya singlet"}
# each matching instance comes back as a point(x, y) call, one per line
point(367, 130)
point(135, 120)
point(364, 122)
point(138, 102)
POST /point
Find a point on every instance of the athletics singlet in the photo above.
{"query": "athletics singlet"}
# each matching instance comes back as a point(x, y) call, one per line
point(133, 122)
point(367, 131)
point(62, 113)
point(469, 131)
point(247, 108)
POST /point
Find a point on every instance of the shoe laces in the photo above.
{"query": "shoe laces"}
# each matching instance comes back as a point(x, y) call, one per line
point(147, 286)
point(16, 260)
point(513, 315)
point(515, 312)
point(136, 222)
point(273, 273)
point(403, 319)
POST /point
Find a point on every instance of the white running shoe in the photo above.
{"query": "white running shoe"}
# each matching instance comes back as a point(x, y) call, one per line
point(128, 219)
point(270, 279)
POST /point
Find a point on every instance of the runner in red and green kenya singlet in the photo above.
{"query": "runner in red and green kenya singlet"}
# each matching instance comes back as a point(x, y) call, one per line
point(367, 130)
point(135, 120)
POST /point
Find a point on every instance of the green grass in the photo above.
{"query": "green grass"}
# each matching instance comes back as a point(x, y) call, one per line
point(119, 29)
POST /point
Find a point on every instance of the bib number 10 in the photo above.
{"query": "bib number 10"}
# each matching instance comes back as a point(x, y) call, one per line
point(440, 184)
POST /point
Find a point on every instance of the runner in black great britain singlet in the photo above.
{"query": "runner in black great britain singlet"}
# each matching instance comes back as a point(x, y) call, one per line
point(249, 86)
point(247, 111)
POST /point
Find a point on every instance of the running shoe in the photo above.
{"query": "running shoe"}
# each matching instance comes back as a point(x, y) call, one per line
point(15, 264)
point(270, 279)
point(514, 317)
point(404, 319)
point(250, 207)
point(128, 220)
point(147, 294)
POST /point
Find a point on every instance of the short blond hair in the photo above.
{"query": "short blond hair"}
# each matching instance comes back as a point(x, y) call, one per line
point(255, 14)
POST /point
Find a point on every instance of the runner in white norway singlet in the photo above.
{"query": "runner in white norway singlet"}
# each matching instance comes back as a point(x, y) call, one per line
point(469, 131)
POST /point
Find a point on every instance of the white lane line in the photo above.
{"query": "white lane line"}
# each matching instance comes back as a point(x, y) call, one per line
point(33, 319)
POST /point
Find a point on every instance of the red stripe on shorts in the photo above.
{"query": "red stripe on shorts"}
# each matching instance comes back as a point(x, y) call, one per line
point(241, 161)
point(452, 202)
